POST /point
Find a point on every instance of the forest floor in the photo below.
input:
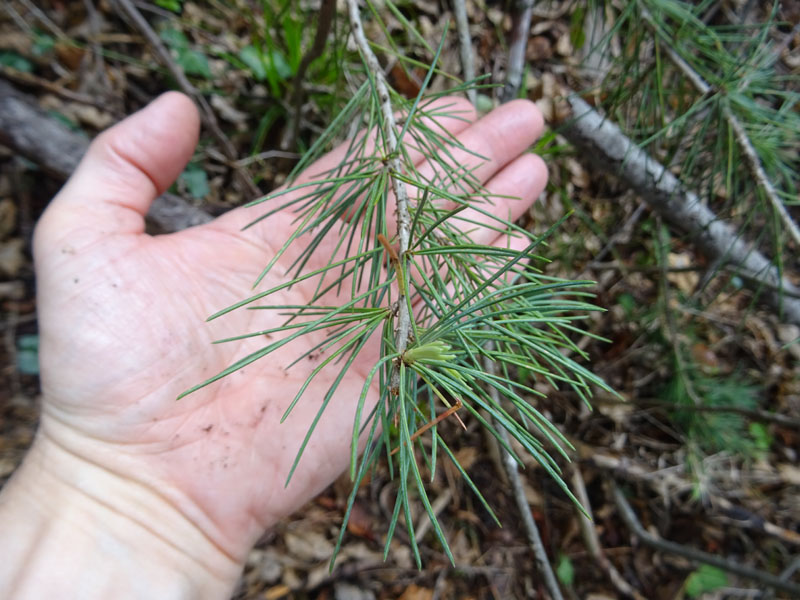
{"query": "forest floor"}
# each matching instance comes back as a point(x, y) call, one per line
point(722, 477)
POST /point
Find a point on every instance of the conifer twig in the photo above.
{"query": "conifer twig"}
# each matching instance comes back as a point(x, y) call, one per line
point(395, 163)
point(742, 139)
point(607, 146)
point(465, 47)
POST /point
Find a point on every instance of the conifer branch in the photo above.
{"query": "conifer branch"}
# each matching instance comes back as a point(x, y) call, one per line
point(395, 163)
point(742, 139)
point(605, 144)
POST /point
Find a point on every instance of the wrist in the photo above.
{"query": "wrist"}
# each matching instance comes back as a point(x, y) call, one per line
point(69, 524)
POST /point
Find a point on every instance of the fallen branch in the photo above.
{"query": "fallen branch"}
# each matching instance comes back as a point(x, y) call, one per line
point(465, 47)
point(34, 134)
point(206, 112)
point(603, 143)
point(654, 541)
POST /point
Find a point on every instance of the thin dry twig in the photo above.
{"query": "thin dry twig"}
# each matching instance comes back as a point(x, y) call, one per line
point(592, 540)
point(512, 470)
point(654, 541)
point(465, 47)
point(516, 51)
point(604, 144)
point(389, 126)
point(206, 112)
point(29, 79)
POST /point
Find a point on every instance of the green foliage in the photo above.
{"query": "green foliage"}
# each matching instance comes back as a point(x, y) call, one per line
point(705, 579)
point(565, 570)
point(9, 58)
point(717, 430)
point(468, 303)
point(193, 62)
point(174, 5)
point(28, 354)
point(650, 88)
point(195, 180)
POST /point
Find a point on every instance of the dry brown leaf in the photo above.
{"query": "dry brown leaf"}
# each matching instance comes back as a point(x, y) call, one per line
point(685, 281)
point(278, 591)
point(8, 217)
point(12, 258)
point(310, 546)
point(415, 592)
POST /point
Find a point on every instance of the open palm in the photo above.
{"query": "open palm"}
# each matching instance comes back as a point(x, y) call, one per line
point(123, 332)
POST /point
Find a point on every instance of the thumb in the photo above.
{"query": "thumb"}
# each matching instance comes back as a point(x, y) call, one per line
point(124, 170)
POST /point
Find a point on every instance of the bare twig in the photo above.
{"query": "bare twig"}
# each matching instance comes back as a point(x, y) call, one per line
point(326, 13)
point(206, 112)
point(605, 144)
point(39, 137)
point(652, 540)
point(516, 52)
point(512, 470)
point(750, 154)
point(465, 47)
point(389, 126)
point(592, 540)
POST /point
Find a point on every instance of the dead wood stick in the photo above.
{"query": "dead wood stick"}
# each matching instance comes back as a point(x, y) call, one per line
point(465, 47)
point(654, 541)
point(516, 52)
point(592, 540)
point(512, 470)
point(27, 129)
point(604, 144)
point(207, 115)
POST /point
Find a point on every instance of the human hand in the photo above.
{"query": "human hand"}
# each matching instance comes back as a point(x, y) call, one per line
point(123, 333)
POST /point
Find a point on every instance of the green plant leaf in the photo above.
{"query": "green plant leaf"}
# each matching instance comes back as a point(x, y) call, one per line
point(250, 56)
point(28, 354)
point(9, 58)
point(194, 62)
point(196, 181)
point(42, 44)
point(705, 579)
point(174, 39)
point(565, 570)
point(173, 5)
